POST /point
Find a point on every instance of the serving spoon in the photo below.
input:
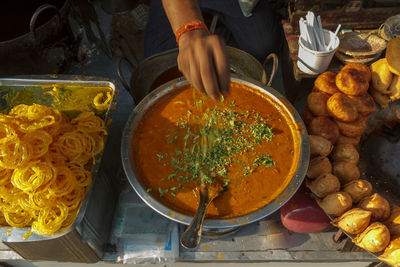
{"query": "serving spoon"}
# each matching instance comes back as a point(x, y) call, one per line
point(192, 235)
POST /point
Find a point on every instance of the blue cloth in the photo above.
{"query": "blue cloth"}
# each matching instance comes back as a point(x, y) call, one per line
point(258, 35)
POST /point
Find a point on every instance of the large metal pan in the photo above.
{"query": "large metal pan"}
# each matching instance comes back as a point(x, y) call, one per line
point(129, 165)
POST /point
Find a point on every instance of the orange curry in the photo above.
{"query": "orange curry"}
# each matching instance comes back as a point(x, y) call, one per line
point(247, 142)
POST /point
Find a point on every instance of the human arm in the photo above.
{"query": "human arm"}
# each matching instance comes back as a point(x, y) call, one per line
point(202, 58)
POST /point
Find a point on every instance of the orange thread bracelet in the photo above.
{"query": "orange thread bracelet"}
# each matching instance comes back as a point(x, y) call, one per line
point(190, 26)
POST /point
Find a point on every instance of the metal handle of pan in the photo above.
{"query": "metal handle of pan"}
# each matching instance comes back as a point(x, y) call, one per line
point(121, 76)
point(275, 63)
point(38, 11)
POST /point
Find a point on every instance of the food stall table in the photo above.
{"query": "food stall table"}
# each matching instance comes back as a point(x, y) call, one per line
point(263, 241)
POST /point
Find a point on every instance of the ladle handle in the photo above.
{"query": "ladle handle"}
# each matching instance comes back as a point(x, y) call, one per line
point(192, 236)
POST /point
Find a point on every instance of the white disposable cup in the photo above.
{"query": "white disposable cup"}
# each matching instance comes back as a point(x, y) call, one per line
point(315, 62)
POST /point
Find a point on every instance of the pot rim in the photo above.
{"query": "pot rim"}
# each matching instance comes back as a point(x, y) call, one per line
point(212, 223)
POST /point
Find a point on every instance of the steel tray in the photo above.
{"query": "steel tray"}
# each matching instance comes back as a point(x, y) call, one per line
point(36, 85)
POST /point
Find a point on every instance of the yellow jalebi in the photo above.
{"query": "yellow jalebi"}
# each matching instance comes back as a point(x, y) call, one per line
point(45, 163)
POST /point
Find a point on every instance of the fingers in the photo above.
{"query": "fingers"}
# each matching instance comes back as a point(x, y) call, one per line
point(208, 75)
point(204, 63)
point(221, 61)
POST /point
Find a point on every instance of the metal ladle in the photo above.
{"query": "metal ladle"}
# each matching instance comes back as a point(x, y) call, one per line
point(192, 235)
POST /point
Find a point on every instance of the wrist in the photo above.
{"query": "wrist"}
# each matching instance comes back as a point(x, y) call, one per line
point(190, 36)
point(192, 26)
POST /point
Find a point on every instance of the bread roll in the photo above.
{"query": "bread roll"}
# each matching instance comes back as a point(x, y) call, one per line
point(392, 55)
point(381, 76)
point(394, 89)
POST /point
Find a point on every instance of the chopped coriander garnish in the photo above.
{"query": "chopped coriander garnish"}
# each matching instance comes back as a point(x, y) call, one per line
point(148, 190)
point(226, 182)
point(212, 141)
point(162, 192)
point(264, 160)
point(161, 156)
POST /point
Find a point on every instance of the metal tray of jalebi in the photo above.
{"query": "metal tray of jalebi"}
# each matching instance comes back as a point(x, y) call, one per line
point(70, 95)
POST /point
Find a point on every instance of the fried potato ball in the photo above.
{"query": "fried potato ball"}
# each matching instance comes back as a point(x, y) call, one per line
point(335, 204)
point(376, 204)
point(381, 76)
point(353, 221)
point(363, 69)
point(345, 171)
point(353, 129)
point(307, 116)
point(382, 99)
point(373, 239)
point(342, 139)
point(345, 152)
point(365, 104)
point(318, 166)
point(324, 184)
point(358, 189)
point(325, 127)
point(326, 82)
point(316, 103)
point(342, 108)
point(391, 255)
point(352, 82)
point(319, 146)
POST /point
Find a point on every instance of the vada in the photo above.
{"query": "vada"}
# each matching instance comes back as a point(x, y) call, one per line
point(325, 127)
point(352, 82)
point(365, 104)
point(316, 102)
point(326, 82)
point(342, 108)
point(342, 139)
point(353, 129)
point(364, 70)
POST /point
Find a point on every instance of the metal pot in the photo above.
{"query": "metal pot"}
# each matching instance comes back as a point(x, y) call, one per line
point(129, 165)
point(38, 35)
point(163, 67)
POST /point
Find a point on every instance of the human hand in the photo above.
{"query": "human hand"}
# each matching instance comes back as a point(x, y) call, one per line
point(204, 62)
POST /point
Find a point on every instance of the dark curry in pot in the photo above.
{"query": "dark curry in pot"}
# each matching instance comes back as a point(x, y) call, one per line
point(247, 142)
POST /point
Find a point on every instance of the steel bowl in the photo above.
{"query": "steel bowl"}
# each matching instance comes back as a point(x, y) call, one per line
point(286, 194)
